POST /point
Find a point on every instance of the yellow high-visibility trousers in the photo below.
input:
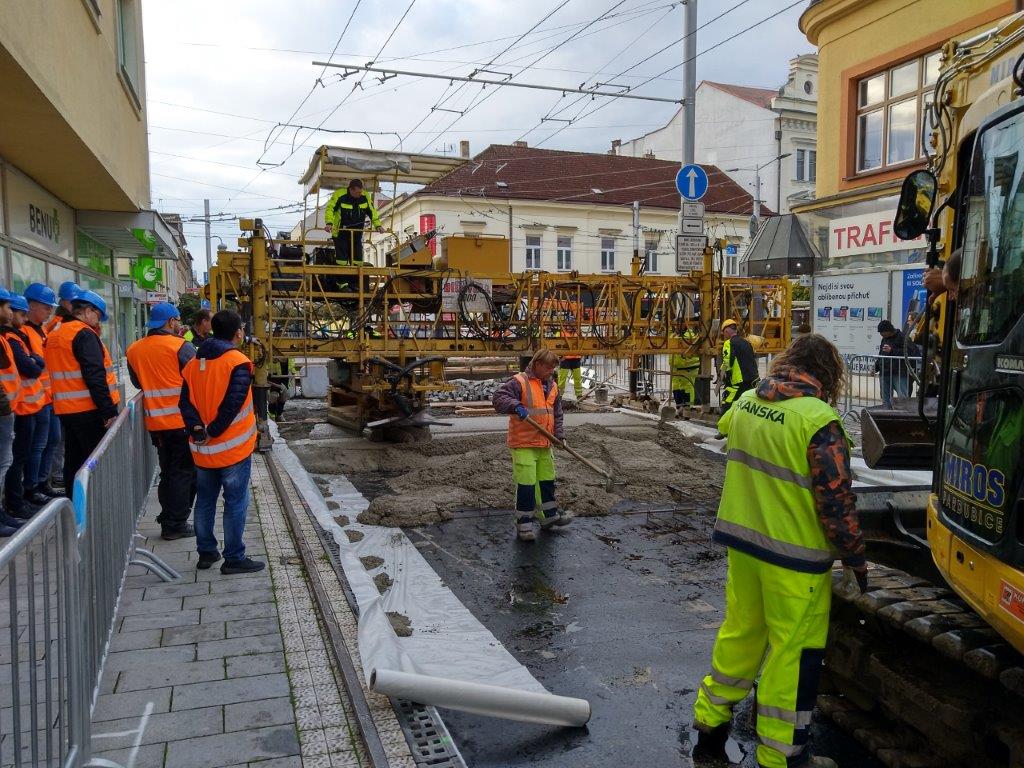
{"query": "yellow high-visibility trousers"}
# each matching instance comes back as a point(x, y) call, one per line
point(776, 625)
point(577, 380)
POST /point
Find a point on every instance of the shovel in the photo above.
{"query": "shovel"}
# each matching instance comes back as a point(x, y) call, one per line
point(609, 481)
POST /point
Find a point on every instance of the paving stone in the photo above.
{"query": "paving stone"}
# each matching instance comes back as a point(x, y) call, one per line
point(240, 585)
point(149, 656)
point(279, 762)
point(159, 675)
point(116, 706)
point(230, 691)
point(249, 627)
point(226, 749)
point(132, 595)
point(165, 726)
point(196, 633)
point(258, 714)
point(149, 756)
point(177, 589)
point(160, 620)
point(133, 641)
point(222, 599)
point(238, 646)
point(228, 612)
point(149, 607)
point(255, 664)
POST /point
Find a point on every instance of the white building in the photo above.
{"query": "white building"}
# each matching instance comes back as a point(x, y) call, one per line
point(566, 211)
point(739, 127)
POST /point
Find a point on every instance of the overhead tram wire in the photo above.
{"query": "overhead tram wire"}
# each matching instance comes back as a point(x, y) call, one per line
point(584, 114)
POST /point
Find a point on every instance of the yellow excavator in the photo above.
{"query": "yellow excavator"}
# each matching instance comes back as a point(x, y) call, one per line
point(927, 667)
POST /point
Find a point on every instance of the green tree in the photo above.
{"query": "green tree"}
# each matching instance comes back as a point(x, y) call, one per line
point(801, 293)
point(188, 305)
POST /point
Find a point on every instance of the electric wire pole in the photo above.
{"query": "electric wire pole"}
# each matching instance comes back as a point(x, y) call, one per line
point(206, 223)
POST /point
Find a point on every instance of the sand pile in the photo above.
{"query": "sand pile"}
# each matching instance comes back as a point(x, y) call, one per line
point(428, 482)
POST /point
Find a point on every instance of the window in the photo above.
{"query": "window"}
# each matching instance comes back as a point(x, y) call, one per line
point(800, 160)
point(27, 270)
point(651, 254)
point(806, 164)
point(128, 47)
point(812, 165)
point(891, 114)
point(732, 261)
point(563, 255)
point(533, 251)
point(607, 254)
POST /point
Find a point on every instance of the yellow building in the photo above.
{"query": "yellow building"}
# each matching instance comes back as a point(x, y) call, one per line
point(878, 61)
point(74, 155)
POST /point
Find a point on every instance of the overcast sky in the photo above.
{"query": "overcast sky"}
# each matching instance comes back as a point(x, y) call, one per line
point(221, 75)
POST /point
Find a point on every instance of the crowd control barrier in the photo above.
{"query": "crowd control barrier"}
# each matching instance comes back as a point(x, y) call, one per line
point(865, 382)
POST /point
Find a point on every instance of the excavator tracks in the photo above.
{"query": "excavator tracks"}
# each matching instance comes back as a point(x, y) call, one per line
point(920, 679)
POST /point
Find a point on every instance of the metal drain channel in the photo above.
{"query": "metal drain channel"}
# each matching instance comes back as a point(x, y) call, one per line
point(424, 730)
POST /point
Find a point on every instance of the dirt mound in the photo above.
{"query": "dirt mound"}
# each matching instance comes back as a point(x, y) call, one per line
point(428, 482)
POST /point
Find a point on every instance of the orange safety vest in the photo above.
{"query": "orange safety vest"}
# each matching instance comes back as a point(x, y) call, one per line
point(10, 381)
point(155, 361)
point(31, 395)
point(541, 410)
point(53, 323)
point(565, 335)
point(70, 395)
point(37, 344)
point(207, 384)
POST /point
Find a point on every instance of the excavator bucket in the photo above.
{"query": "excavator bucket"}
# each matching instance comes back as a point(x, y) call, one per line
point(894, 439)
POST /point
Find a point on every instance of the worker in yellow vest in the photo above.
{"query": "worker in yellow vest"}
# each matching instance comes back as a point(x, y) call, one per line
point(533, 393)
point(685, 368)
point(155, 363)
point(570, 364)
point(46, 435)
point(200, 329)
point(83, 381)
point(10, 385)
point(738, 371)
point(27, 406)
point(345, 215)
point(787, 511)
point(216, 405)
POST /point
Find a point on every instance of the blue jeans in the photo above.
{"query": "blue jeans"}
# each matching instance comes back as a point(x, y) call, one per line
point(890, 383)
point(6, 448)
point(235, 482)
point(44, 443)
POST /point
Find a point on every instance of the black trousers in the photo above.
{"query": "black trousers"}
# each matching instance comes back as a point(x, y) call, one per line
point(176, 490)
point(14, 486)
point(82, 433)
point(348, 246)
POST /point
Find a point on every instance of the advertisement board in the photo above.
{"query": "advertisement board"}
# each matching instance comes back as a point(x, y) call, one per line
point(475, 298)
point(866, 234)
point(908, 297)
point(37, 217)
point(848, 307)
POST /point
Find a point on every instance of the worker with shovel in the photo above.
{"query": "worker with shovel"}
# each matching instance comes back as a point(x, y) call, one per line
point(532, 398)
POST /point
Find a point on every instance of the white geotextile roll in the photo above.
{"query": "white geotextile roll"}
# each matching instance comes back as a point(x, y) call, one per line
point(489, 700)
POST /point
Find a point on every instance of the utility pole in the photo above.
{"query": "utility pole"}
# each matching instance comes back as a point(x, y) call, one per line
point(206, 222)
point(687, 112)
point(755, 222)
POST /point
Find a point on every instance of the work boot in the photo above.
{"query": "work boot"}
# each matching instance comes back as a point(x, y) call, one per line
point(9, 521)
point(36, 498)
point(555, 517)
point(48, 491)
point(172, 534)
point(709, 744)
point(245, 565)
point(525, 530)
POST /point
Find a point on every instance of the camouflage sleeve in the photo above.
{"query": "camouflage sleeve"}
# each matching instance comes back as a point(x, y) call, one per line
point(832, 484)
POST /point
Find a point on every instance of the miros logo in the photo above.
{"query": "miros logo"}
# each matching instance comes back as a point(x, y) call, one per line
point(44, 224)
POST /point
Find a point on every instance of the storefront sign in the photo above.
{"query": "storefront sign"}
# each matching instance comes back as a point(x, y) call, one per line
point(37, 217)
point(428, 222)
point(870, 233)
point(848, 307)
point(156, 297)
point(146, 273)
point(908, 297)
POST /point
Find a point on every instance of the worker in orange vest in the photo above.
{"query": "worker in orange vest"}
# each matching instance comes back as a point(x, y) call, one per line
point(155, 363)
point(10, 385)
point(533, 393)
point(570, 364)
point(67, 291)
point(83, 381)
point(46, 435)
point(28, 403)
point(216, 405)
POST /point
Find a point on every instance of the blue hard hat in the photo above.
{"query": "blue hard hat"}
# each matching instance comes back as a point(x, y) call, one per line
point(41, 293)
point(93, 299)
point(68, 290)
point(18, 302)
point(5, 296)
point(161, 313)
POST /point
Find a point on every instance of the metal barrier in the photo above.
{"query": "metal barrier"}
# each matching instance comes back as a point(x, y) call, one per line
point(44, 702)
point(864, 380)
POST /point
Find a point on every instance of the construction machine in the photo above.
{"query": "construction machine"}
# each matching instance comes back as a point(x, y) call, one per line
point(388, 325)
point(936, 647)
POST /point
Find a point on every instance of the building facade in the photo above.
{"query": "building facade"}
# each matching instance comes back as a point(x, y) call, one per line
point(738, 128)
point(878, 61)
point(571, 211)
point(74, 162)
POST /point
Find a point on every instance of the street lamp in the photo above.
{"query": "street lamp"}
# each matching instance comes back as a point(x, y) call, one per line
point(755, 223)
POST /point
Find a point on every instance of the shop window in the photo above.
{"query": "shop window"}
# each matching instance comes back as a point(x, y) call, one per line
point(533, 251)
point(563, 255)
point(651, 254)
point(128, 47)
point(26, 270)
point(58, 275)
point(891, 114)
point(93, 255)
point(607, 254)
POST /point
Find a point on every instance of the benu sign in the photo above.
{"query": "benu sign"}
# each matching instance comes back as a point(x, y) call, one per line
point(870, 233)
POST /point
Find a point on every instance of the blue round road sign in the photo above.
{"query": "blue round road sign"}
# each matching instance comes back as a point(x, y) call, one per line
point(692, 182)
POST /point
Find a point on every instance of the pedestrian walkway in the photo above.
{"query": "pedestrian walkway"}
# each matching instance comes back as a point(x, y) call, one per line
point(217, 671)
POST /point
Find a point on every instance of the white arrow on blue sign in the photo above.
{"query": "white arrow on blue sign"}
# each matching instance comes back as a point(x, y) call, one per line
point(692, 182)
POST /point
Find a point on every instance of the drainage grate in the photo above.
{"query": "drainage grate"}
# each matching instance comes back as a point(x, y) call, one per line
point(424, 730)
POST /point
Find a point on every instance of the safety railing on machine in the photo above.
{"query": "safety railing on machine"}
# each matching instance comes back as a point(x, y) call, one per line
point(873, 380)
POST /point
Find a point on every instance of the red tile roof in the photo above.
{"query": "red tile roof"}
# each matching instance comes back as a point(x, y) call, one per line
point(762, 97)
point(506, 172)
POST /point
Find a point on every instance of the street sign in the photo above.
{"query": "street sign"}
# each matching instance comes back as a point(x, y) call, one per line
point(693, 226)
point(693, 210)
point(690, 253)
point(692, 182)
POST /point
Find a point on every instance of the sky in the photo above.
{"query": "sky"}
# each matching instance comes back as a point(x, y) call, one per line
point(224, 77)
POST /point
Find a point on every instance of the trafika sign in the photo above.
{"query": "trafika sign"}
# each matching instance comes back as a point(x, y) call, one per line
point(870, 233)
